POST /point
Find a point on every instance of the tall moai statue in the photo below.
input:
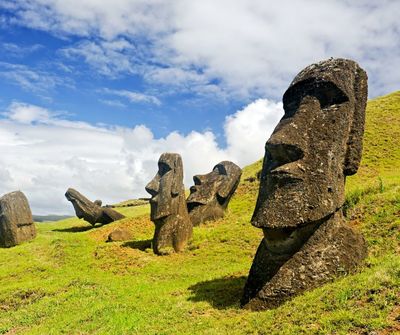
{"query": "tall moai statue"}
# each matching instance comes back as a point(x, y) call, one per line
point(169, 213)
point(16, 222)
point(211, 193)
point(317, 143)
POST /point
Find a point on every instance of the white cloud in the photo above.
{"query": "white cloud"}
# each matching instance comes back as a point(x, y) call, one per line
point(43, 153)
point(249, 47)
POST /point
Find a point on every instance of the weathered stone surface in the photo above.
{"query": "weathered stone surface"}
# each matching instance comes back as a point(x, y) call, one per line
point(173, 228)
point(211, 193)
point(120, 234)
point(16, 223)
point(90, 211)
point(317, 143)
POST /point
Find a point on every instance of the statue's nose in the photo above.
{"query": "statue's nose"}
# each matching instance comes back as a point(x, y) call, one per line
point(278, 154)
point(152, 187)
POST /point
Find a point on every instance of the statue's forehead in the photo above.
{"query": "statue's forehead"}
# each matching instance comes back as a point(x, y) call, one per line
point(337, 75)
point(169, 159)
point(227, 168)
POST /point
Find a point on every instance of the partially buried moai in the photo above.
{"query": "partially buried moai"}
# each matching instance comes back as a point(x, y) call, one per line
point(91, 212)
point(211, 193)
point(16, 222)
point(168, 206)
point(317, 143)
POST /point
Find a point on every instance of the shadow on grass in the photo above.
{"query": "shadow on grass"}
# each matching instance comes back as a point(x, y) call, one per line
point(221, 293)
point(74, 229)
point(141, 245)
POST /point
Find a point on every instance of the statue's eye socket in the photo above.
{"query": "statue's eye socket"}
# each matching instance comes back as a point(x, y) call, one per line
point(326, 92)
point(220, 169)
point(163, 168)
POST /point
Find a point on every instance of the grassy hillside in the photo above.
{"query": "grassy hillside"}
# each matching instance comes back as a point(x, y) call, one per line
point(69, 281)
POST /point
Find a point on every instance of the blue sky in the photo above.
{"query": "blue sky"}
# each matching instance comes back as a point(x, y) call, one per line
point(92, 92)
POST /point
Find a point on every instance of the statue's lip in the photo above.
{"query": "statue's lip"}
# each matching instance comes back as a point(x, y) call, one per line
point(282, 172)
point(196, 201)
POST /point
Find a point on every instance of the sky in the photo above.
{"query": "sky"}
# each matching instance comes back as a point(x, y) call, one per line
point(93, 91)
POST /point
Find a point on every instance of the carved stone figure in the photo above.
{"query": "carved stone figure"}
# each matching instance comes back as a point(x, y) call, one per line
point(211, 193)
point(16, 222)
point(168, 206)
point(317, 143)
point(91, 211)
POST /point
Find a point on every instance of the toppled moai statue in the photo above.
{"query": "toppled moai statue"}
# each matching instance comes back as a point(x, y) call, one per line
point(16, 222)
point(317, 143)
point(168, 206)
point(90, 211)
point(211, 193)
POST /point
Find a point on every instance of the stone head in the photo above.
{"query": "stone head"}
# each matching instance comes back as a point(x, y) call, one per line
point(212, 191)
point(317, 143)
point(166, 186)
point(84, 208)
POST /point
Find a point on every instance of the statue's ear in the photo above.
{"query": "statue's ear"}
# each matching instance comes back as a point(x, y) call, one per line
point(231, 182)
point(354, 143)
point(177, 176)
point(227, 188)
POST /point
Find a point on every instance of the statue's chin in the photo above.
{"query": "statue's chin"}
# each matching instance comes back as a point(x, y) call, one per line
point(287, 240)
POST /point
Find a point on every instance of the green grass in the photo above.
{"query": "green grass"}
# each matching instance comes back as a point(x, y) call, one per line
point(69, 281)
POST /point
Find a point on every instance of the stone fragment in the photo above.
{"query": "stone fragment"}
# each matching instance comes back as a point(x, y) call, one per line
point(120, 234)
point(317, 143)
point(211, 193)
point(169, 213)
point(90, 211)
point(16, 222)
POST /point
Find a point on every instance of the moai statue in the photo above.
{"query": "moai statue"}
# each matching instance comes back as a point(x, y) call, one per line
point(16, 222)
point(168, 206)
point(317, 143)
point(91, 212)
point(211, 193)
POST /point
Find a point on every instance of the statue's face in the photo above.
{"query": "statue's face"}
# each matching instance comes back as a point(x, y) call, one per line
point(302, 180)
point(166, 186)
point(73, 198)
point(216, 187)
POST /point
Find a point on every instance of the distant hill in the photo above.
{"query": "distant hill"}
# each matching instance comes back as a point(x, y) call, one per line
point(47, 218)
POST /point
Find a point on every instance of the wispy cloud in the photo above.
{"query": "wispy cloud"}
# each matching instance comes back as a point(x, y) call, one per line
point(32, 80)
point(18, 50)
point(108, 58)
point(133, 97)
point(112, 103)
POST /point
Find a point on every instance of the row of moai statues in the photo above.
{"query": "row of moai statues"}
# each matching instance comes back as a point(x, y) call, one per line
point(317, 143)
point(173, 215)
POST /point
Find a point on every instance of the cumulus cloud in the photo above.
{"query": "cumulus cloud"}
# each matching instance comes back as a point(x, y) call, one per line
point(43, 153)
point(251, 48)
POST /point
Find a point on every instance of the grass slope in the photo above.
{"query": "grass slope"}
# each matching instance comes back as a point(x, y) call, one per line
point(69, 281)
